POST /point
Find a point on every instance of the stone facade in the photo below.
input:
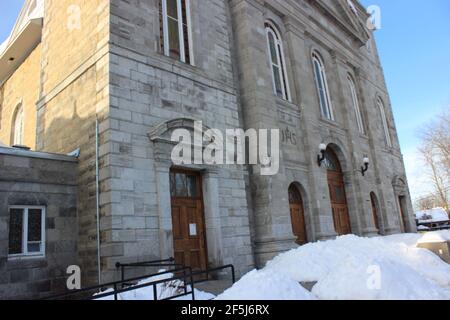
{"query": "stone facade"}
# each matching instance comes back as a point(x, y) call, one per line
point(26, 76)
point(116, 73)
point(38, 179)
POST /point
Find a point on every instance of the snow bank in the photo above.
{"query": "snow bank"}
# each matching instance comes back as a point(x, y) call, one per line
point(350, 267)
point(379, 279)
point(263, 285)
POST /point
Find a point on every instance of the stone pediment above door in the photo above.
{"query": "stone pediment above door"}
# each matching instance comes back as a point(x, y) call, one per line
point(163, 131)
point(161, 136)
point(347, 14)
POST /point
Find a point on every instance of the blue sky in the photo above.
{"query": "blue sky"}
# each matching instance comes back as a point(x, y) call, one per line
point(414, 46)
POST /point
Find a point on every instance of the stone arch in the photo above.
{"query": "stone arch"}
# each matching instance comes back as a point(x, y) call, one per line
point(401, 195)
point(341, 152)
point(338, 181)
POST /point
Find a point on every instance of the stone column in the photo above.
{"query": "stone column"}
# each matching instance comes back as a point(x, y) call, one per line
point(300, 53)
point(212, 217)
point(273, 228)
point(162, 170)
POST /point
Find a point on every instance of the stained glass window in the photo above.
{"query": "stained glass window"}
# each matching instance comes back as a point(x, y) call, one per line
point(331, 161)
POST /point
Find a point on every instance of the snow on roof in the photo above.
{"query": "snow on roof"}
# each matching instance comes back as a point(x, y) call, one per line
point(32, 9)
point(433, 215)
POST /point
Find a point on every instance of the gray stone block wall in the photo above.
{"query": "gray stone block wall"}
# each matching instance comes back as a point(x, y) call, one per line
point(247, 215)
point(146, 90)
point(28, 178)
point(230, 87)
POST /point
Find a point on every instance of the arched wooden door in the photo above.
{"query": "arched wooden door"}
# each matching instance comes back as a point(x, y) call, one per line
point(337, 193)
point(374, 201)
point(297, 215)
point(402, 205)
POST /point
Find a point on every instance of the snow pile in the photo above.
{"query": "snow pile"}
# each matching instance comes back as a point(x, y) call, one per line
point(355, 268)
point(433, 215)
point(435, 237)
point(164, 291)
point(263, 285)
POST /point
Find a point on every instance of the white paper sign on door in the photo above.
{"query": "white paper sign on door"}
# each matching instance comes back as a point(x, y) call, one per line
point(193, 229)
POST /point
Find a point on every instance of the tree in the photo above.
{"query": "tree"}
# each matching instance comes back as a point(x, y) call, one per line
point(435, 152)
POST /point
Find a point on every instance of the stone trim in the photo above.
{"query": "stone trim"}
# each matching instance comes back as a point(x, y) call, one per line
point(37, 155)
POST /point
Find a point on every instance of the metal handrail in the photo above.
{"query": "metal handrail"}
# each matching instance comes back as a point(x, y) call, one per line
point(146, 264)
point(115, 285)
point(153, 284)
point(208, 271)
point(125, 286)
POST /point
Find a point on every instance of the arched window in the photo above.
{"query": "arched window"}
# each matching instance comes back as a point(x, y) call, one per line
point(17, 128)
point(279, 76)
point(355, 102)
point(322, 87)
point(175, 29)
point(384, 123)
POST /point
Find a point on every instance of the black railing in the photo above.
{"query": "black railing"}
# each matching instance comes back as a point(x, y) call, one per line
point(209, 271)
point(179, 273)
point(92, 293)
point(170, 263)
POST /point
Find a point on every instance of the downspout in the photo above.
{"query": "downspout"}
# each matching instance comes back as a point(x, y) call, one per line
point(97, 188)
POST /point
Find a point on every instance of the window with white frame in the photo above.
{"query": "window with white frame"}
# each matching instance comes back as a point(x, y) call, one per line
point(384, 123)
point(277, 63)
point(322, 87)
point(355, 102)
point(26, 231)
point(18, 127)
point(176, 33)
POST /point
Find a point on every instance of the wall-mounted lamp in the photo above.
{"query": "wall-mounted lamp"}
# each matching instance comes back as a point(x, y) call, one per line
point(366, 162)
point(321, 156)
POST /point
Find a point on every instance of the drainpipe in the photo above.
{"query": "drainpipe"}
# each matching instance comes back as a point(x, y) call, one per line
point(97, 187)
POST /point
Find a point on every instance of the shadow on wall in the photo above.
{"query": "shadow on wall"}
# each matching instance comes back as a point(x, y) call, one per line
point(64, 135)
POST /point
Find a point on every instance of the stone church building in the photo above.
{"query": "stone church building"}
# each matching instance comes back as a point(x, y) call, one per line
point(113, 79)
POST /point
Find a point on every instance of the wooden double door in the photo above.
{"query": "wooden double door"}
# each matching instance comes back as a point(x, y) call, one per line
point(188, 220)
point(338, 195)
